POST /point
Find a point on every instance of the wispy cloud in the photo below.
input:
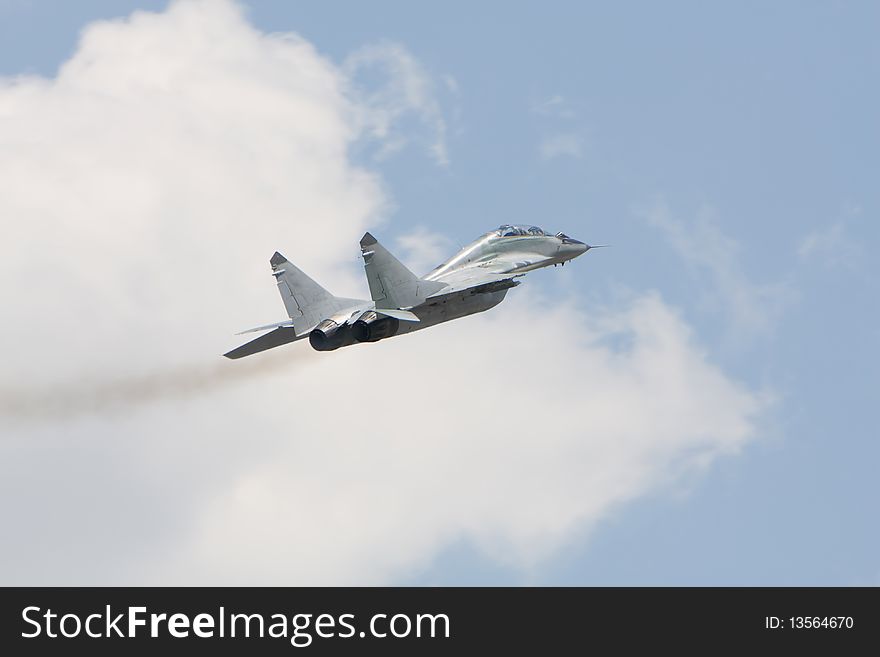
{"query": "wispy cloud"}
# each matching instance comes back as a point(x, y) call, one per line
point(553, 112)
point(451, 84)
point(561, 145)
point(407, 89)
point(423, 249)
point(714, 257)
point(830, 246)
point(555, 106)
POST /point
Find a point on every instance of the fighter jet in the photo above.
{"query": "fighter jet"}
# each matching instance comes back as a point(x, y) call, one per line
point(475, 279)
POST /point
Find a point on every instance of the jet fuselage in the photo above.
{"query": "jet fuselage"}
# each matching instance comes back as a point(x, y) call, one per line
point(475, 279)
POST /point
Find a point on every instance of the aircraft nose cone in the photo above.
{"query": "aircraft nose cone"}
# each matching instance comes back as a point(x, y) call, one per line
point(573, 247)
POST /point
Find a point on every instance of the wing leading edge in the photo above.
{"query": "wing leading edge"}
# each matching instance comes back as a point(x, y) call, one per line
point(476, 279)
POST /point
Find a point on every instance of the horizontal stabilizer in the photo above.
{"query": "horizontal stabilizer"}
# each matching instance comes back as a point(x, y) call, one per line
point(270, 340)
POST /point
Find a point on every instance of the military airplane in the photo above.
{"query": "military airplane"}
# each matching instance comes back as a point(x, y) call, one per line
point(473, 280)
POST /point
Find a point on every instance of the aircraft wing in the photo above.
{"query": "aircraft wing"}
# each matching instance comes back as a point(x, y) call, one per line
point(281, 335)
point(477, 279)
point(266, 327)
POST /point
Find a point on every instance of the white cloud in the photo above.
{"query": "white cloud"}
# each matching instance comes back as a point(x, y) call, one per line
point(831, 246)
point(423, 249)
point(555, 106)
point(561, 145)
point(451, 84)
point(753, 308)
point(144, 189)
point(407, 89)
point(513, 431)
point(566, 143)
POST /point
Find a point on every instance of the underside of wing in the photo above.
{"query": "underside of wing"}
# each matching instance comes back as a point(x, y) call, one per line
point(476, 279)
point(276, 338)
point(266, 327)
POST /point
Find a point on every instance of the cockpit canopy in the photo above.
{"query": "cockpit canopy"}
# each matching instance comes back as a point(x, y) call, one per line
point(508, 230)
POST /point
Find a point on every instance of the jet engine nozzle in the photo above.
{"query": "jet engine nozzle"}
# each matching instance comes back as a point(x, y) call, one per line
point(328, 335)
point(371, 326)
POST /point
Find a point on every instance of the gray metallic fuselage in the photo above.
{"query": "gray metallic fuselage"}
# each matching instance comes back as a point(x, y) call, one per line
point(475, 279)
point(494, 255)
point(456, 306)
point(523, 252)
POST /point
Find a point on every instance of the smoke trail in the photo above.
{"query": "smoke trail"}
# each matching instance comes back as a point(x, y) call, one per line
point(112, 395)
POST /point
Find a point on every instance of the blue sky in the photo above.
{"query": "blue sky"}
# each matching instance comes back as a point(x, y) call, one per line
point(730, 156)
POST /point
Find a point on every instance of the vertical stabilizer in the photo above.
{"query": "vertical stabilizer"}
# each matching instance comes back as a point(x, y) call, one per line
point(307, 303)
point(392, 285)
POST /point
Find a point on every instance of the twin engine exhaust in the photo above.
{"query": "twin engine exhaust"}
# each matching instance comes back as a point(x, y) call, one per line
point(369, 327)
point(328, 335)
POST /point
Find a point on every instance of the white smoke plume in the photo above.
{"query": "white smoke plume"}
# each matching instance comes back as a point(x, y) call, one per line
point(143, 189)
